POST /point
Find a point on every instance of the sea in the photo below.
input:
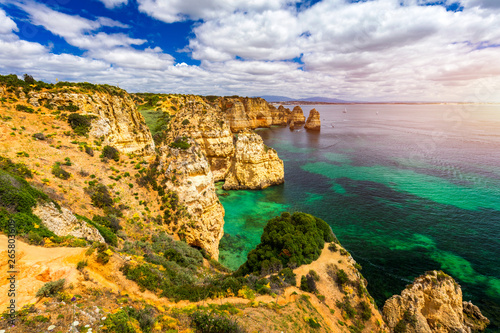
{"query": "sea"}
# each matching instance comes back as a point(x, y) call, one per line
point(406, 188)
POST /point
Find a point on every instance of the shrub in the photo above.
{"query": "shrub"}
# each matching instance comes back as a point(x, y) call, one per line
point(81, 264)
point(89, 151)
point(342, 277)
point(24, 108)
point(39, 136)
point(51, 288)
point(293, 240)
point(347, 310)
point(100, 195)
point(60, 172)
point(212, 323)
point(180, 143)
point(110, 153)
point(17, 169)
point(332, 247)
point(185, 122)
point(120, 322)
point(34, 238)
point(366, 313)
point(314, 275)
point(80, 123)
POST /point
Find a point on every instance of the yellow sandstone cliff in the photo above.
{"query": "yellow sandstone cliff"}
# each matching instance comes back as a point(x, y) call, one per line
point(313, 122)
point(117, 122)
point(433, 303)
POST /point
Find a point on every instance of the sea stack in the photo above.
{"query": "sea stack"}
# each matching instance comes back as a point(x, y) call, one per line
point(297, 116)
point(433, 303)
point(313, 122)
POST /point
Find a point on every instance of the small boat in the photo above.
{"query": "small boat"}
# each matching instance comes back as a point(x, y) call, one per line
point(345, 110)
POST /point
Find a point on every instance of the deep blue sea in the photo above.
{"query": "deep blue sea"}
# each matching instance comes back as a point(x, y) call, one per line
point(406, 189)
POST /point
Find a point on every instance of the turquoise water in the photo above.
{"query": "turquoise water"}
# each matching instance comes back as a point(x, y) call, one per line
point(406, 188)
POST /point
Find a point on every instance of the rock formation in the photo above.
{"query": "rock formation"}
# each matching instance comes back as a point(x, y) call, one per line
point(247, 113)
point(313, 122)
point(254, 166)
point(297, 116)
point(191, 178)
point(64, 223)
point(280, 115)
point(117, 122)
point(433, 303)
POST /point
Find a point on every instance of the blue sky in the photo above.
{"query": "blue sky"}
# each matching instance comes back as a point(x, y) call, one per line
point(378, 50)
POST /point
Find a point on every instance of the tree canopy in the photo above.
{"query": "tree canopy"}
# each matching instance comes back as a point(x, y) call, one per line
point(288, 240)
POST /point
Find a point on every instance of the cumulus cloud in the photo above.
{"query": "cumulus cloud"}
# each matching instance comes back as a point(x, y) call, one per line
point(180, 10)
point(6, 23)
point(367, 50)
point(110, 4)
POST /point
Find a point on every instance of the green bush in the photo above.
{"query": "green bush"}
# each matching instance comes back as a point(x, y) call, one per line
point(17, 169)
point(81, 264)
point(293, 240)
point(347, 310)
point(60, 172)
point(108, 235)
point(24, 108)
point(51, 288)
point(100, 195)
point(180, 143)
point(204, 322)
point(342, 277)
point(80, 123)
point(119, 322)
point(366, 313)
point(110, 153)
point(17, 198)
point(89, 151)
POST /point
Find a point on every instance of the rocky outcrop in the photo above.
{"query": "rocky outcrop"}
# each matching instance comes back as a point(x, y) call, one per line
point(64, 223)
point(246, 113)
point(297, 116)
point(433, 303)
point(191, 178)
point(216, 154)
point(313, 122)
point(254, 166)
point(117, 122)
point(280, 115)
point(473, 317)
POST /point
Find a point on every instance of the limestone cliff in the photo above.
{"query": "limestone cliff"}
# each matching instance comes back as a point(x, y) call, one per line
point(313, 122)
point(189, 175)
point(64, 223)
point(117, 122)
point(247, 113)
point(433, 303)
point(297, 116)
point(254, 166)
point(280, 115)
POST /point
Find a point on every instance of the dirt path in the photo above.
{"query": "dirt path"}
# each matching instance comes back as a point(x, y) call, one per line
point(36, 265)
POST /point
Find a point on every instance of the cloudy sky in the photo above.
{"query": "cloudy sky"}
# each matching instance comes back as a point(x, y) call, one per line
point(378, 50)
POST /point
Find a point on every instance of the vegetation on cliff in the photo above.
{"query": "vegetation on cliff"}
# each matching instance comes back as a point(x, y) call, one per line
point(288, 241)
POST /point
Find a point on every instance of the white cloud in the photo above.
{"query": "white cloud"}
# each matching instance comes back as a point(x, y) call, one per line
point(6, 24)
point(179, 10)
point(130, 58)
point(110, 4)
point(372, 50)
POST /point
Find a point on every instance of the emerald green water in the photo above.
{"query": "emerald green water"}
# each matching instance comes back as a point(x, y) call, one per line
point(405, 190)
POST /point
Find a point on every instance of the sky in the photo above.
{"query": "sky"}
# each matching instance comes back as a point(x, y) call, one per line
point(357, 50)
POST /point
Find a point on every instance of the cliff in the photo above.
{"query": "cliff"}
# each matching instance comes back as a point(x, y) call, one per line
point(433, 303)
point(280, 115)
point(63, 223)
point(116, 119)
point(254, 166)
point(313, 122)
point(188, 174)
point(250, 113)
point(297, 116)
